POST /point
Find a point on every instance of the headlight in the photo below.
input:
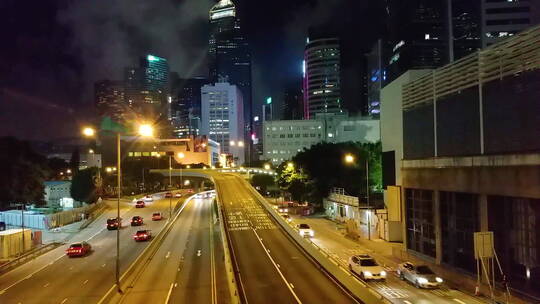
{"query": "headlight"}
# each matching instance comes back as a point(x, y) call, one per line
point(422, 280)
point(438, 279)
point(383, 273)
point(312, 233)
point(367, 274)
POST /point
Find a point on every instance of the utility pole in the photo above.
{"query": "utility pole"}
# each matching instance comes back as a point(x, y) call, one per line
point(367, 197)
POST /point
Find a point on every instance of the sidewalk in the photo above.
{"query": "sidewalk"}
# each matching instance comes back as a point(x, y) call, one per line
point(387, 253)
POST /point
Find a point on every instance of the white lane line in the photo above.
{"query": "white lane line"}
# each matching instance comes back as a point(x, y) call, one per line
point(168, 254)
point(199, 253)
point(46, 285)
point(30, 275)
point(71, 268)
point(63, 301)
point(407, 302)
point(85, 282)
point(459, 301)
point(289, 285)
point(103, 265)
point(169, 293)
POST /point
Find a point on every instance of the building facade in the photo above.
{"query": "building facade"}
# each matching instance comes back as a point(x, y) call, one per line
point(147, 89)
point(502, 19)
point(58, 195)
point(186, 106)
point(322, 77)
point(185, 151)
point(109, 99)
point(229, 55)
point(283, 139)
point(470, 159)
point(223, 118)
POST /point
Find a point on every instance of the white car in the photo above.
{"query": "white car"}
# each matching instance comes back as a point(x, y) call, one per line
point(287, 217)
point(420, 275)
point(305, 230)
point(148, 198)
point(366, 267)
point(283, 209)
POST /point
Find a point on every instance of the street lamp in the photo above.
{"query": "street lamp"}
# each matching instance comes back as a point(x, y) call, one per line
point(144, 130)
point(349, 159)
point(290, 165)
point(266, 166)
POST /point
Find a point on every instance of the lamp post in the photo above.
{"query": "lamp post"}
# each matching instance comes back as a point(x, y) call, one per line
point(146, 131)
point(349, 159)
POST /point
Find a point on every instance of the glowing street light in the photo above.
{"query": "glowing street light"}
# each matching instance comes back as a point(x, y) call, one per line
point(186, 182)
point(68, 171)
point(266, 166)
point(290, 165)
point(232, 143)
point(88, 132)
point(188, 167)
point(91, 151)
point(180, 155)
point(349, 158)
point(146, 130)
point(108, 169)
point(240, 143)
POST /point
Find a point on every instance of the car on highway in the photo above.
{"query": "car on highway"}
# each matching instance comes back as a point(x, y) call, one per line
point(366, 267)
point(140, 204)
point(148, 198)
point(113, 223)
point(157, 216)
point(189, 190)
point(168, 195)
point(283, 209)
point(287, 217)
point(420, 275)
point(136, 221)
point(305, 230)
point(178, 194)
point(78, 249)
point(142, 235)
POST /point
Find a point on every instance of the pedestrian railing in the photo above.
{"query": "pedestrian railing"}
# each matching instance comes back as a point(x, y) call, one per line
point(30, 255)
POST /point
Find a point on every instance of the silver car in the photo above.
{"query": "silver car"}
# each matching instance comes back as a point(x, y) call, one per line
point(420, 275)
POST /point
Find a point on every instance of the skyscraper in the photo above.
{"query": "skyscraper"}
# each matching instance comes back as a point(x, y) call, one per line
point(229, 55)
point(223, 118)
point(147, 88)
point(418, 35)
point(502, 19)
point(109, 99)
point(292, 103)
point(322, 79)
point(186, 105)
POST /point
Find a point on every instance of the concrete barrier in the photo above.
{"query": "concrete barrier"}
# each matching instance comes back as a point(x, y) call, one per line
point(331, 265)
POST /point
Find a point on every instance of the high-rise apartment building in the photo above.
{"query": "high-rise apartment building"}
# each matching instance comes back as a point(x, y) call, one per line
point(186, 105)
point(222, 118)
point(229, 55)
point(504, 18)
point(293, 103)
point(109, 99)
point(322, 83)
point(147, 88)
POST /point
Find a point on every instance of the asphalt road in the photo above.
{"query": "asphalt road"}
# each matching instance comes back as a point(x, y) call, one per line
point(188, 266)
point(394, 289)
point(272, 268)
point(85, 279)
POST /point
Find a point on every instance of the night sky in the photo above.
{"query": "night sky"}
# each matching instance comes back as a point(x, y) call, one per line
point(53, 51)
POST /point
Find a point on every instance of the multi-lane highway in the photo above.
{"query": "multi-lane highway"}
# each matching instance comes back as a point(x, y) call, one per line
point(85, 279)
point(272, 268)
point(188, 266)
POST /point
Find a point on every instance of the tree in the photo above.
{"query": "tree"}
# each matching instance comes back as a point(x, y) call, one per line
point(263, 181)
point(75, 161)
point(23, 173)
point(83, 186)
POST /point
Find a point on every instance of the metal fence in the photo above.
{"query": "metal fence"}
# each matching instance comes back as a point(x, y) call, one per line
point(48, 221)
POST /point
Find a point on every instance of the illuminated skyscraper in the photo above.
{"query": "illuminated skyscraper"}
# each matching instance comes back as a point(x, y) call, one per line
point(147, 88)
point(109, 99)
point(229, 55)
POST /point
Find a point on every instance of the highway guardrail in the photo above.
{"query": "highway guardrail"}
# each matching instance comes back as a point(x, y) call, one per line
point(331, 265)
point(32, 254)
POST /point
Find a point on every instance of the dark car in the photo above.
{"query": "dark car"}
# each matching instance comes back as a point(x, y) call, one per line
point(78, 249)
point(142, 235)
point(140, 204)
point(113, 223)
point(136, 221)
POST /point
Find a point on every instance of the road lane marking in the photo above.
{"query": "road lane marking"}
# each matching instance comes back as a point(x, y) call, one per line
point(407, 302)
point(46, 285)
point(71, 268)
point(199, 253)
point(103, 265)
point(169, 293)
point(289, 285)
point(64, 301)
point(459, 301)
point(168, 254)
point(85, 282)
